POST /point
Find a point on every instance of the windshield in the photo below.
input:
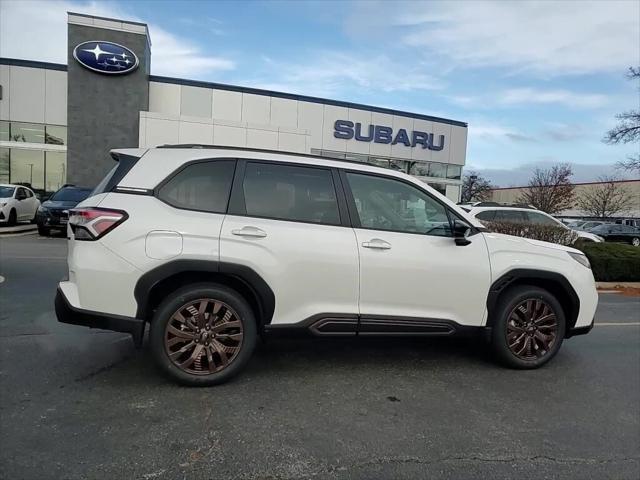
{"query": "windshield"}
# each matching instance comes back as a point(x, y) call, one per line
point(6, 192)
point(70, 195)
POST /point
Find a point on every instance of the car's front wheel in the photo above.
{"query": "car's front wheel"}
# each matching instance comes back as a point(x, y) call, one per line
point(203, 334)
point(43, 231)
point(528, 328)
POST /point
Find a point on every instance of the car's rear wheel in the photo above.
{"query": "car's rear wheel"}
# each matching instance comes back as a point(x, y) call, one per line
point(528, 328)
point(203, 334)
point(635, 241)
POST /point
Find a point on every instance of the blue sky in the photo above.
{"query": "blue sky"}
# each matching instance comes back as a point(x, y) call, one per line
point(538, 82)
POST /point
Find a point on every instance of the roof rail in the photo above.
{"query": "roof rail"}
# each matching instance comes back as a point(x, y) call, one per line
point(507, 205)
point(265, 150)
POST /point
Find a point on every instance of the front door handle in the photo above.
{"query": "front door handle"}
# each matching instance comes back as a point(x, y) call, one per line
point(377, 243)
point(250, 232)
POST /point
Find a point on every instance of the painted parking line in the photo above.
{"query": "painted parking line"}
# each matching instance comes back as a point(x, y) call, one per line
point(617, 324)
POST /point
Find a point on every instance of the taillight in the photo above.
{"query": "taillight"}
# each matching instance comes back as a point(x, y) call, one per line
point(91, 223)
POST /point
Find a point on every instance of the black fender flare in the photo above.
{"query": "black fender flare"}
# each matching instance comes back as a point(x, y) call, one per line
point(247, 276)
point(534, 276)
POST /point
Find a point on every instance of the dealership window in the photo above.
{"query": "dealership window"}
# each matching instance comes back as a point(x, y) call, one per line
point(27, 166)
point(288, 192)
point(56, 135)
point(4, 165)
point(439, 187)
point(419, 169)
point(454, 172)
point(55, 171)
point(27, 132)
point(4, 131)
point(437, 170)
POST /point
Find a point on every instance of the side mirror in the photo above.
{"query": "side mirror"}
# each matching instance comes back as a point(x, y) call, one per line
point(460, 233)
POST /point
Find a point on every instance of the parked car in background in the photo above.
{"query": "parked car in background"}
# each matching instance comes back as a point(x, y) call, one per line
point(54, 213)
point(17, 204)
point(615, 232)
point(629, 221)
point(588, 225)
point(494, 212)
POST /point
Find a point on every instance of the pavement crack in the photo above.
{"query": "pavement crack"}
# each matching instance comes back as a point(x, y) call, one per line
point(477, 458)
point(106, 368)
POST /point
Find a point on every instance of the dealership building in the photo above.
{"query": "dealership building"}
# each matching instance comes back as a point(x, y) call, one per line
point(58, 122)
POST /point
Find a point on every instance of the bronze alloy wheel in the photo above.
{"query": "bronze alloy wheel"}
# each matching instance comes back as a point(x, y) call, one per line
point(532, 329)
point(203, 336)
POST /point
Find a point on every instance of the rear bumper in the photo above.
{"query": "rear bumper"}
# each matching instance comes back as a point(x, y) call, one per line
point(67, 313)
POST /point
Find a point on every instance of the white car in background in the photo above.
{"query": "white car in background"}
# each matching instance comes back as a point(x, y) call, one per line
point(17, 204)
point(494, 212)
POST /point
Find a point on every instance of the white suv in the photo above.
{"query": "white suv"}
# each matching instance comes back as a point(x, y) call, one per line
point(494, 212)
point(213, 247)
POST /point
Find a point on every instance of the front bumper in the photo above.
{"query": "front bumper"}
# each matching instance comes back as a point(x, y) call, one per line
point(46, 219)
point(67, 313)
point(580, 330)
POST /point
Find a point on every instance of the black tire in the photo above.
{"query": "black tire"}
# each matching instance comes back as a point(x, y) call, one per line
point(43, 231)
point(635, 241)
point(506, 347)
point(13, 218)
point(229, 301)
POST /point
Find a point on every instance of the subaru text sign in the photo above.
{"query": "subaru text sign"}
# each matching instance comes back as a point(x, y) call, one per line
point(347, 130)
point(106, 57)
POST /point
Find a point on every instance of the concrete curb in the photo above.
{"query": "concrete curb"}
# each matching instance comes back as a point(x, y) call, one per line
point(614, 285)
point(24, 228)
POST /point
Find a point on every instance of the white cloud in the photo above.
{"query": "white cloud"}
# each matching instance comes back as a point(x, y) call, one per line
point(37, 30)
point(547, 38)
point(328, 73)
point(564, 97)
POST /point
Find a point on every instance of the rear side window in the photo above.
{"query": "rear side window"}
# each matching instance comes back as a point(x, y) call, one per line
point(514, 216)
point(202, 186)
point(289, 192)
point(487, 215)
point(541, 219)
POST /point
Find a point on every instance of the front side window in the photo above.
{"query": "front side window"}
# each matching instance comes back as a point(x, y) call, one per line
point(389, 204)
point(290, 192)
point(201, 186)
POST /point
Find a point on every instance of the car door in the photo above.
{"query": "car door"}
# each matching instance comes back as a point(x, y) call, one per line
point(412, 273)
point(32, 204)
point(285, 223)
point(22, 203)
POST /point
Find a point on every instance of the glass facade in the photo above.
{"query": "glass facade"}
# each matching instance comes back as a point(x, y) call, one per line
point(33, 133)
point(45, 171)
point(419, 169)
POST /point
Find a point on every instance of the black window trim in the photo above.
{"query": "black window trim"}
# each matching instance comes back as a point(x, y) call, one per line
point(184, 166)
point(237, 206)
point(355, 217)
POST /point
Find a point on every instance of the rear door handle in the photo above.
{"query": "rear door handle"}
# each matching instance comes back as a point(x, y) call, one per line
point(377, 243)
point(250, 232)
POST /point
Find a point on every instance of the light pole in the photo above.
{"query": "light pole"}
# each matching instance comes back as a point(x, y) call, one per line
point(30, 174)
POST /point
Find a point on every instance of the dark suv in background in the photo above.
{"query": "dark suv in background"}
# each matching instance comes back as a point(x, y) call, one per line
point(54, 213)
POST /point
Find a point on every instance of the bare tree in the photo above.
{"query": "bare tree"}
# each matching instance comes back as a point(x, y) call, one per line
point(628, 128)
point(475, 188)
point(550, 190)
point(606, 199)
point(631, 164)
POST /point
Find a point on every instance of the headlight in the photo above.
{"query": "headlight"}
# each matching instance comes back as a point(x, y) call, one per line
point(3, 204)
point(600, 239)
point(580, 258)
point(41, 209)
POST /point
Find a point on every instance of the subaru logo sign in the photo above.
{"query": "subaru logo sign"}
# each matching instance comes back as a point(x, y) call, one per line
point(106, 57)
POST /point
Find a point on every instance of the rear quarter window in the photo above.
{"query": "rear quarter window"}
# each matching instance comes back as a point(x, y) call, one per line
point(202, 186)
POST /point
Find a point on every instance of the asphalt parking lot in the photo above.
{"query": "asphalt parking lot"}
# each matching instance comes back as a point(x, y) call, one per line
point(78, 403)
